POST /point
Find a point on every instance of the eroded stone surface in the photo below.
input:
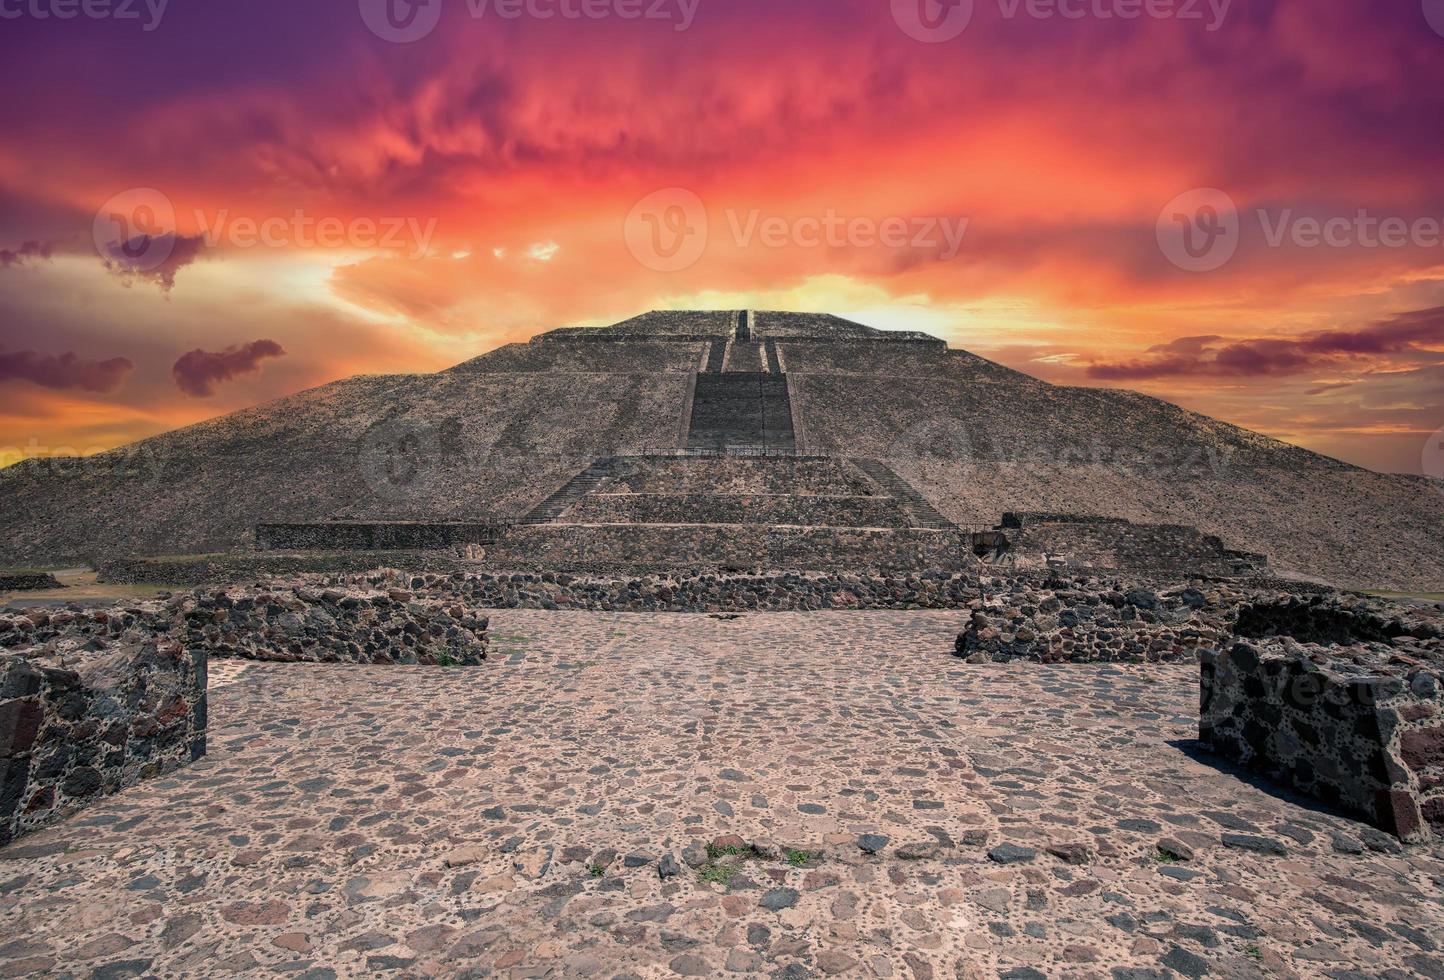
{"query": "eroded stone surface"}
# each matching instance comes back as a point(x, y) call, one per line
point(318, 836)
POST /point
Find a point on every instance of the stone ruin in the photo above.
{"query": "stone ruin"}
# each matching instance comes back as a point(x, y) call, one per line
point(95, 700)
point(1340, 700)
point(75, 728)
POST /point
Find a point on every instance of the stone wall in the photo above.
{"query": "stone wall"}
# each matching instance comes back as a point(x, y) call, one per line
point(1083, 621)
point(304, 624)
point(280, 621)
point(767, 509)
point(375, 535)
point(79, 727)
point(1363, 738)
point(254, 566)
point(798, 475)
point(1080, 542)
point(646, 547)
point(769, 592)
point(27, 581)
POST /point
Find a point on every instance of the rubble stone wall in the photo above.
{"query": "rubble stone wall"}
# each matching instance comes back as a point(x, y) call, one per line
point(1084, 624)
point(767, 509)
point(1370, 743)
point(27, 581)
point(77, 728)
point(1104, 542)
point(763, 592)
point(374, 535)
point(643, 547)
point(302, 624)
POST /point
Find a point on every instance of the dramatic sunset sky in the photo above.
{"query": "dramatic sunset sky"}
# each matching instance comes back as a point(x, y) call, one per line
point(511, 154)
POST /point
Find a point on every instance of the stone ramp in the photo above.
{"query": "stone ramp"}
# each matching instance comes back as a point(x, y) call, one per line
point(922, 512)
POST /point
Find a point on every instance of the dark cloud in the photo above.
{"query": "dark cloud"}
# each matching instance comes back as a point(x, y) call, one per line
point(154, 259)
point(26, 252)
point(67, 371)
point(1407, 332)
point(198, 372)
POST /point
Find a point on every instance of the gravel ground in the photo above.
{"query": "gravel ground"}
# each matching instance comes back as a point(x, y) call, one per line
point(540, 815)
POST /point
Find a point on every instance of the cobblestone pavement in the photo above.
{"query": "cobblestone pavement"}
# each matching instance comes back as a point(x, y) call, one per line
point(541, 816)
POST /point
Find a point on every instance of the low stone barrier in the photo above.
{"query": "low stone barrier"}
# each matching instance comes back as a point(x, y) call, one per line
point(1083, 622)
point(277, 622)
point(1082, 541)
point(622, 549)
point(375, 535)
point(229, 569)
point(27, 581)
point(1361, 729)
point(692, 591)
point(332, 626)
point(82, 726)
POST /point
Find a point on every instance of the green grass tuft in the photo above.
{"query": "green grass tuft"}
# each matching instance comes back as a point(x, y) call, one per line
point(718, 874)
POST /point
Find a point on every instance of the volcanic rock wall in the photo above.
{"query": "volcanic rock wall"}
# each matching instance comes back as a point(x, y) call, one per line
point(1368, 743)
point(85, 726)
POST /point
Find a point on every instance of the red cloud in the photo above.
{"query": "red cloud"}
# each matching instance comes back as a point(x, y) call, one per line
point(1255, 358)
point(198, 372)
point(63, 372)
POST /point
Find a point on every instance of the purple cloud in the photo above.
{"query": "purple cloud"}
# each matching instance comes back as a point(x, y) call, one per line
point(1191, 356)
point(67, 371)
point(198, 372)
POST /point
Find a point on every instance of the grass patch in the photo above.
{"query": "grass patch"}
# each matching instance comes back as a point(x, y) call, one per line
point(717, 874)
point(596, 870)
point(731, 850)
point(798, 858)
point(1163, 857)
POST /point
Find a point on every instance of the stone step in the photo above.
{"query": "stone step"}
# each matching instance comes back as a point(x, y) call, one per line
point(741, 410)
point(573, 490)
point(922, 512)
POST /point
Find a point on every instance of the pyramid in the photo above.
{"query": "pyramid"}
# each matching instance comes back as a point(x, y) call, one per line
point(734, 438)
